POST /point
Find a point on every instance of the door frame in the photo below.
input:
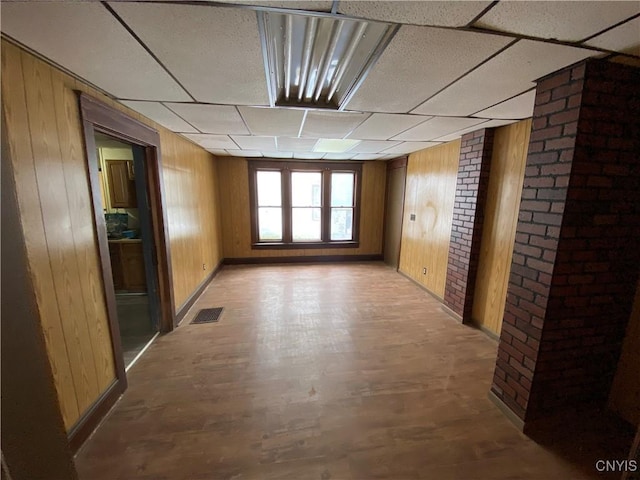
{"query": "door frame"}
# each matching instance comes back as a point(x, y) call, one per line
point(396, 163)
point(97, 116)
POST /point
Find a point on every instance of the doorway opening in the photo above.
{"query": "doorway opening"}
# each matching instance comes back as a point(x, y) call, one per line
point(125, 202)
point(144, 178)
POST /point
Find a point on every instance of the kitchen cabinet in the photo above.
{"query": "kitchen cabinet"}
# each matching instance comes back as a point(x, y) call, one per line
point(127, 265)
point(121, 183)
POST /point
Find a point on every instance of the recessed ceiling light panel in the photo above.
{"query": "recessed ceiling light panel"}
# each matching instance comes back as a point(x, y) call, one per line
point(318, 61)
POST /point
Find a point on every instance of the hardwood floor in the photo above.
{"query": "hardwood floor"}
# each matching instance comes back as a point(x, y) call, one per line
point(317, 372)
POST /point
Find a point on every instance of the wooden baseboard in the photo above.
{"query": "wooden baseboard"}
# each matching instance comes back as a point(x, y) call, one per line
point(182, 311)
point(302, 259)
point(451, 313)
point(92, 417)
point(437, 297)
point(513, 418)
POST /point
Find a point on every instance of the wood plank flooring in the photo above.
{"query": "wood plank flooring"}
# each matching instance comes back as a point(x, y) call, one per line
point(316, 372)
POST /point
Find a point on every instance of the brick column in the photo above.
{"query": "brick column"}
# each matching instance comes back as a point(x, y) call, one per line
point(468, 218)
point(576, 255)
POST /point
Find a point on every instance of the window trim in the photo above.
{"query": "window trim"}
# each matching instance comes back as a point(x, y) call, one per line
point(286, 167)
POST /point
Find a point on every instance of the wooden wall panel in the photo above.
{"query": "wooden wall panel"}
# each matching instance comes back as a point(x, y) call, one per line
point(501, 218)
point(233, 176)
point(191, 187)
point(625, 391)
point(430, 193)
point(47, 152)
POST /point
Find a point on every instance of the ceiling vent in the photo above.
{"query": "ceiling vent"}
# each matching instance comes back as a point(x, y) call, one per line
point(318, 61)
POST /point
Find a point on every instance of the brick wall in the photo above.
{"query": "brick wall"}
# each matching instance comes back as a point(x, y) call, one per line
point(575, 259)
point(468, 217)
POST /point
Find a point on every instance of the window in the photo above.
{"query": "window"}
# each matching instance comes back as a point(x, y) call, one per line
point(304, 205)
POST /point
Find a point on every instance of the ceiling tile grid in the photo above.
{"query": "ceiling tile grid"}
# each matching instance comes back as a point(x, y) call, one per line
point(382, 126)
point(430, 84)
point(223, 119)
point(284, 122)
point(518, 107)
point(569, 21)
point(419, 62)
point(437, 127)
point(157, 112)
point(434, 13)
point(214, 52)
point(511, 72)
point(88, 41)
point(331, 124)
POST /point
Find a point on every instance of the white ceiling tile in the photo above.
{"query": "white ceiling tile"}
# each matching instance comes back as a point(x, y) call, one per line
point(435, 13)
point(273, 121)
point(486, 124)
point(369, 156)
point(569, 21)
point(210, 118)
point(209, 141)
point(331, 124)
point(389, 156)
point(334, 145)
point(159, 113)
point(409, 147)
point(373, 146)
point(418, 62)
point(504, 76)
point(382, 126)
point(244, 153)
point(339, 156)
point(247, 142)
point(310, 5)
point(218, 152)
point(516, 108)
point(625, 38)
point(309, 155)
point(215, 52)
point(437, 127)
point(86, 39)
point(289, 144)
point(277, 154)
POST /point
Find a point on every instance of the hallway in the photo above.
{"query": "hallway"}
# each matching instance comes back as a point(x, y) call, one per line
point(318, 371)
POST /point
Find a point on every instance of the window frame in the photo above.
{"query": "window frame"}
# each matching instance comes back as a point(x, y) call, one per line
point(286, 167)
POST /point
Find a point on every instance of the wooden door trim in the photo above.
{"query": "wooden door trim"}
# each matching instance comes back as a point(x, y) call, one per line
point(99, 117)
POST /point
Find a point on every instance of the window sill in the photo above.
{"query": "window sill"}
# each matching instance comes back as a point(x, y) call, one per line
point(303, 245)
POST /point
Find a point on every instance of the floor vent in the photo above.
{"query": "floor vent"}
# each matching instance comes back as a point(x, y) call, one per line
point(208, 315)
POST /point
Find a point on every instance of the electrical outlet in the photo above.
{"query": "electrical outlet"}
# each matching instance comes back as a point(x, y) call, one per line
point(424, 270)
point(204, 266)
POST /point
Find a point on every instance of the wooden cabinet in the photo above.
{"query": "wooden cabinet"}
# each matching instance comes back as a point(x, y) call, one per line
point(121, 182)
point(127, 265)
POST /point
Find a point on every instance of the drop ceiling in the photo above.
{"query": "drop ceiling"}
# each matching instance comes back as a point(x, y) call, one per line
point(197, 67)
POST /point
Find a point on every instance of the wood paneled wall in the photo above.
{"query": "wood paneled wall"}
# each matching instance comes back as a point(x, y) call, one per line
point(233, 179)
point(625, 391)
point(429, 195)
point(501, 218)
point(191, 195)
point(50, 168)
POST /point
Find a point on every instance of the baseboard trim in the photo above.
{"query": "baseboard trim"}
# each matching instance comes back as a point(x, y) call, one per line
point(440, 299)
point(184, 308)
point(506, 411)
point(302, 259)
point(92, 417)
point(451, 313)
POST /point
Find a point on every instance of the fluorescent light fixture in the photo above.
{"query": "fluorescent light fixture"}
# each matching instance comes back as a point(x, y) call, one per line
point(334, 145)
point(318, 60)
